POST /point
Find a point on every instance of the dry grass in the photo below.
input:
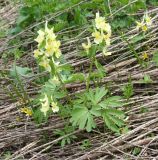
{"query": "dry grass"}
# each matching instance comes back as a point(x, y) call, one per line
point(25, 140)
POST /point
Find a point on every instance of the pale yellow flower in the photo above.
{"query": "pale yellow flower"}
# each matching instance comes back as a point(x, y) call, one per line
point(50, 32)
point(105, 52)
point(45, 63)
point(148, 20)
point(54, 106)
point(142, 26)
point(41, 36)
point(54, 80)
point(37, 53)
point(100, 22)
point(107, 39)
point(87, 46)
point(98, 37)
point(45, 104)
point(56, 49)
point(27, 111)
point(108, 29)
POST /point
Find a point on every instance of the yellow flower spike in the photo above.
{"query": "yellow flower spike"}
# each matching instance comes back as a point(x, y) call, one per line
point(54, 106)
point(37, 53)
point(100, 22)
point(41, 36)
point(86, 47)
point(98, 37)
point(27, 111)
point(145, 56)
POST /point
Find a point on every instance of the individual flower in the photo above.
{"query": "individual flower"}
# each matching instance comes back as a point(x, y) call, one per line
point(105, 52)
point(100, 22)
point(41, 37)
point(45, 104)
point(27, 111)
point(54, 106)
point(107, 39)
point(54, 80)
point(142, 26)
point(98, 37)
point(37, 53)
point(87, 46)
point(108, 29)
point(148, 20)
point(56, 45)
point(145, 56)
point(50, 32)
point(45, 63)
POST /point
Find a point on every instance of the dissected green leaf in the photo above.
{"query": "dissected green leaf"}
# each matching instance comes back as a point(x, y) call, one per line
point(82, 117)
point(111, 102)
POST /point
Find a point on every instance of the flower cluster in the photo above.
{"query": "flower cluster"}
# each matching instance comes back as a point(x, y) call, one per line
point(46, 103)
point(101, 34)
point(146, 22)
point(48, 48)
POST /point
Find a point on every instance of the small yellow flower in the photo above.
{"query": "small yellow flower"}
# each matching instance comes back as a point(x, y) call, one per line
point(37, 53)
point(98, 37)
point(27, 111)
point(100, 22)
point(87, 46)
point(142, 26)
point(145, 56)
point(41, 36)
point(54, 106)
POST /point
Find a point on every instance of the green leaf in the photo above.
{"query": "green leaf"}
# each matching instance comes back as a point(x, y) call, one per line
point(99, 94)
point(110, 123)
point(115, 112)
point(100, 69)
point(20, 71)
point(155, 58)
point(95, 96)
point(78, 77)
point(111, 102)
point(113, 119)
point(82, 117)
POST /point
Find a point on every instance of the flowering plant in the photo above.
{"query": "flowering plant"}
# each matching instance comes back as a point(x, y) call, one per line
point(93, 102)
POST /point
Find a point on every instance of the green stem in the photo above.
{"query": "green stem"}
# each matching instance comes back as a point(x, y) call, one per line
point(132, 49)
point(90, 72)
point(64, 88)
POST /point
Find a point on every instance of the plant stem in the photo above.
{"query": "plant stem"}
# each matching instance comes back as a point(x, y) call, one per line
point(90, 72)
point(64, 88)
